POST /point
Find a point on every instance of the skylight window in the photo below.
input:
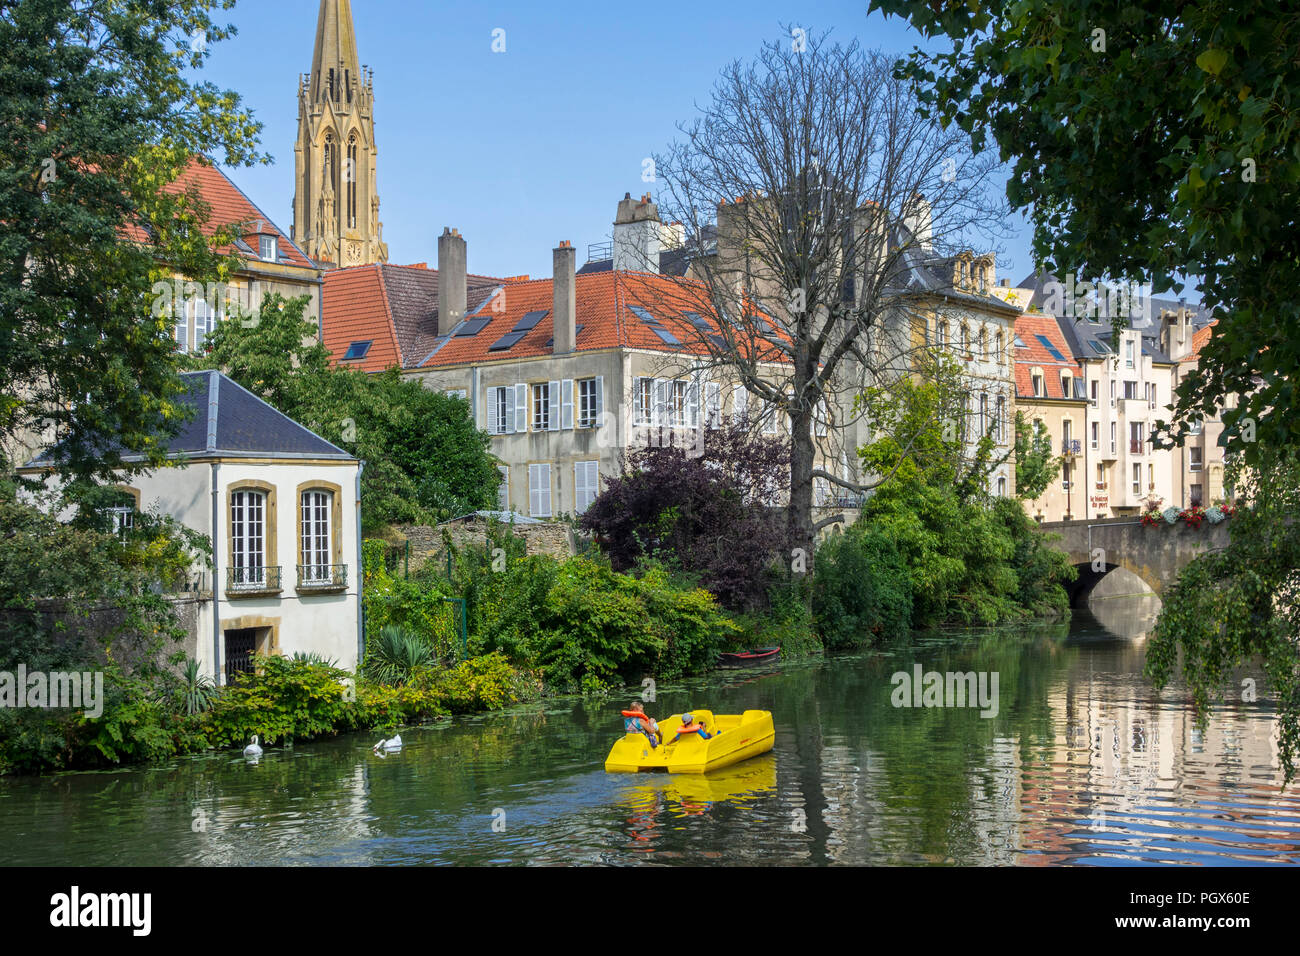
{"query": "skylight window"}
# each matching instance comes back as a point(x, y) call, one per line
point(664, 334)
point(357, 350)
point(506, 341)
point(1052, 350)
point(1101, 348)
point(696, 320)
point(643, 314)
point(472, 326)
point(1019, 344)
point(530, 320)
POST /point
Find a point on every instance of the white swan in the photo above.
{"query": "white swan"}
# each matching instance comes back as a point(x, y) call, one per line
point(389, 745)
point(253, 750)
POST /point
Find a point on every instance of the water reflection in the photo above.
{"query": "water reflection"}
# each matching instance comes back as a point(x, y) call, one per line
point(1083, 764)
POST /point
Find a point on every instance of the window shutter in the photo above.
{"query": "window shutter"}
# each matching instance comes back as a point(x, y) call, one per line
point(553, 398)
point(713, 403)
point(638, 405)
point(600, 398)
point(491, 411)
point(740, 403)
point(503, 395)
point(693, 404)
point(566, 421)
point(661, 402)
point(521, 408)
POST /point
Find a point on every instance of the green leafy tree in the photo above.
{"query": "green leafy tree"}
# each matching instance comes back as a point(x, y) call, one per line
point(964, 552)
point(1242, 603)
point(102, 113)
point(1036, 466)
point(425, 460)
point(1148, 141)
point(924, 431)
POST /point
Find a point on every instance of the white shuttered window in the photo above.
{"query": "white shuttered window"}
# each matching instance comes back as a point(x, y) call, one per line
point(586, 484)
point(539, 491)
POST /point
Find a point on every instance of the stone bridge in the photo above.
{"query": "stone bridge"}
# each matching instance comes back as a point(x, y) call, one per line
point(1155, 554)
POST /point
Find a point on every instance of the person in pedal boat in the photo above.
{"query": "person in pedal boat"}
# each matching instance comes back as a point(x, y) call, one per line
point(635, 721)
point(689, 726)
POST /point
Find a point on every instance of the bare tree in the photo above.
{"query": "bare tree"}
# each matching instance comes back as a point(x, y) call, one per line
point(818, 206)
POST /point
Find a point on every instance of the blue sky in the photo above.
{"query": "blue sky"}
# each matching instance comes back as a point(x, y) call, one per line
point(519, 149)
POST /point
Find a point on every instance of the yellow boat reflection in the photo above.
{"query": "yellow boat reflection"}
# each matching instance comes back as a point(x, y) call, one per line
point(696, 791)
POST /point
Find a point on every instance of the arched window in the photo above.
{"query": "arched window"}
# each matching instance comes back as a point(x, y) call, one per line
point(330, 159)
point(320, 537)
point(984, 342)
point(998, 346)
point(965, 338)
point(251, 538)
point(352, 181)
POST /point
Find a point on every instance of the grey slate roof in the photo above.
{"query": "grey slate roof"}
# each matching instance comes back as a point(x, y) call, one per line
point(1081, 333)
point(230, 421)
point(413, 300)
point(1036, 282)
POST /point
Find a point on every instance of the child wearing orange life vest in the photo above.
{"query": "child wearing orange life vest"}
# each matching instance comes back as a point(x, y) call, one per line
point(635, 720)
point(689, 726)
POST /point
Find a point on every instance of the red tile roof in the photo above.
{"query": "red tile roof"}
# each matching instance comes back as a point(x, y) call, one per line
point(230, 207)
point(402, 307)
point(604, 302)
point(1200, 339)
point(1036, 355)
point(395, 308)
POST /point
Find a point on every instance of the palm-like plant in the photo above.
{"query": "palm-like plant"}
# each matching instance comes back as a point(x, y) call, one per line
point(197, 691)
point(395, 656)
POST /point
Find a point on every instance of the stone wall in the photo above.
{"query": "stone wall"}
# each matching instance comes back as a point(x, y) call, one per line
point(548, 537)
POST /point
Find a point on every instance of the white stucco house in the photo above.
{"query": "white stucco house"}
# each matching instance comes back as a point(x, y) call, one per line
point(282, 507)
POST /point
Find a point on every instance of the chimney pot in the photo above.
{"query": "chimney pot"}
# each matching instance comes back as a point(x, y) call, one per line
point(564, 298)
point(451, 280)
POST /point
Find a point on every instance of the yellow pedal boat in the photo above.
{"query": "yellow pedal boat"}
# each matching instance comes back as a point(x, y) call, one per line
point(734, 737)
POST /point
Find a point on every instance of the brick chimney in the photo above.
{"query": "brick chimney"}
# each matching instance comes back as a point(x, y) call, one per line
point(637, 234)
point(451, 279)
point(564, 307)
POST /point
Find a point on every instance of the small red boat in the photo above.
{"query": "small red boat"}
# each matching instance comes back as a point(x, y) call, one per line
point(759, 655)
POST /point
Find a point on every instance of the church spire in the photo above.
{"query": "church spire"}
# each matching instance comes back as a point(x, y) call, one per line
point(336, 204)
point(335, 58)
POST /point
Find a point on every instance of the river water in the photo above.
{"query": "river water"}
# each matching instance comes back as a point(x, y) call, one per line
point(1083, 763)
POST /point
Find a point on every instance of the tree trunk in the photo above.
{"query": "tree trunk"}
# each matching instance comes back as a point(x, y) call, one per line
point(802, 454)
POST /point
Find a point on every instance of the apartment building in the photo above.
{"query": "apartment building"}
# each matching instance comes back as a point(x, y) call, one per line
point(270, 262)
point(1052, 390)
point(1199, 464)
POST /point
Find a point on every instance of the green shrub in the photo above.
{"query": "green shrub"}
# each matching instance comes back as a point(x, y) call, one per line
point(396, 656)
point(283, 698)
point(862, 592)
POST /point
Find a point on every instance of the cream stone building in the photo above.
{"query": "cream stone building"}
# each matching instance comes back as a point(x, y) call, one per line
point(1051, 389)
point(336, 197)
point(282, 508)
point(1128, 385)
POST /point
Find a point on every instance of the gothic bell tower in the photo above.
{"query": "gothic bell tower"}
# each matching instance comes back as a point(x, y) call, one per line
point(335, 203)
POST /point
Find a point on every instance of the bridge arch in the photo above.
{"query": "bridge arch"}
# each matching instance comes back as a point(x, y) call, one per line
point(1155, 554)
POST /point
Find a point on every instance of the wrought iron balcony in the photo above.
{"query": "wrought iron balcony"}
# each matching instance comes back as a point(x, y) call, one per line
point(1071, 446)
point(322, 577)
point(253, 579)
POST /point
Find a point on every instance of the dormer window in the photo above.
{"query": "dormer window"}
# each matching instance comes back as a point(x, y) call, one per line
point(1036, 376)
point(268, 248)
